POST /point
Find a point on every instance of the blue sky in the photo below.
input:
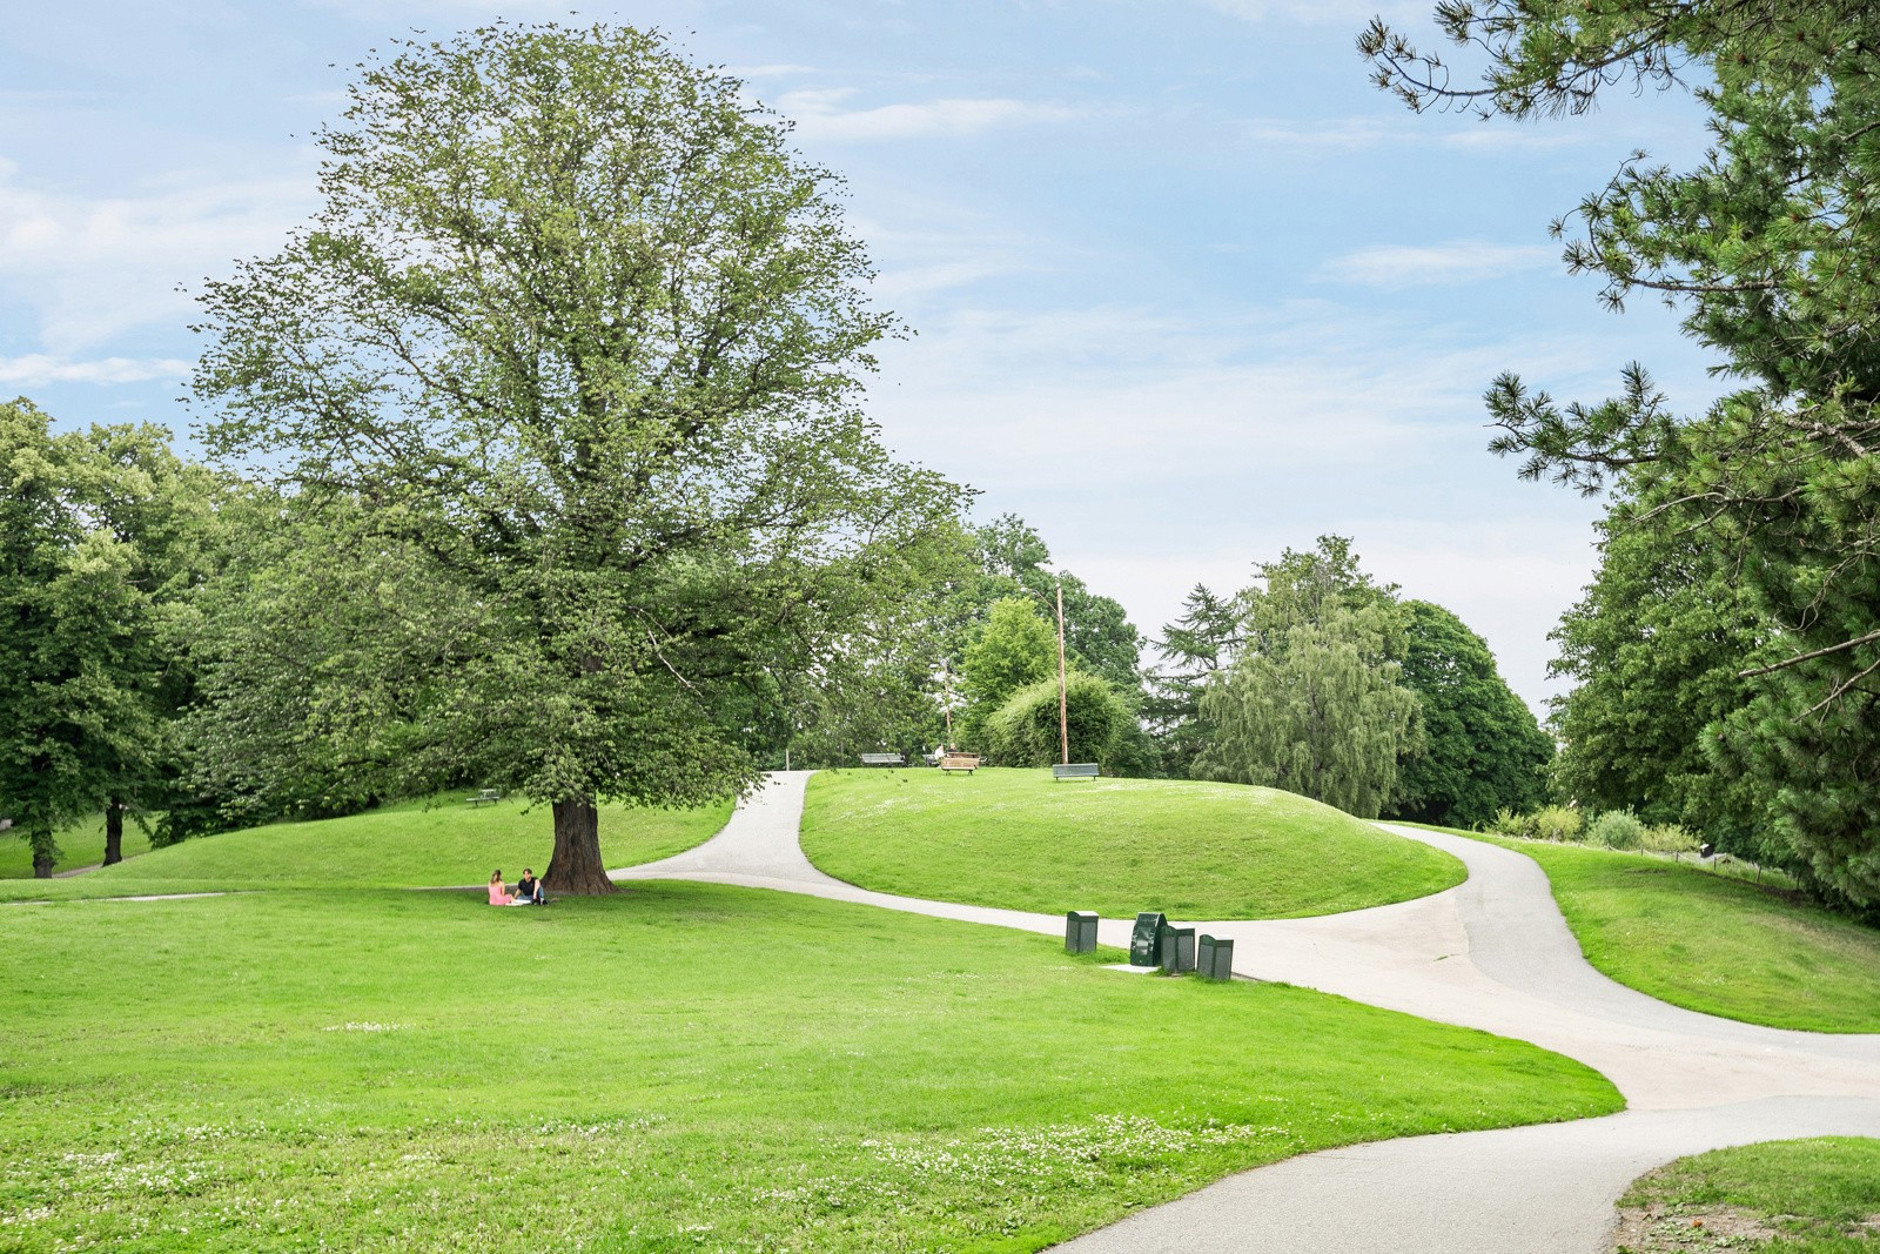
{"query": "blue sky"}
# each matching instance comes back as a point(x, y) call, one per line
point(1186, 288)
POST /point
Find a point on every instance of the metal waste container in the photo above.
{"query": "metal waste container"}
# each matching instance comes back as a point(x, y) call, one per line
point(1215, 958)
point(1177, 950)
point(1080, 932)
point(1145, 940)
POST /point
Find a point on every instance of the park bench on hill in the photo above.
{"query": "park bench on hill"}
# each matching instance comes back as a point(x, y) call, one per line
point(968, 762)
point(1073, 770)
point(488, 796)
point(883, 759)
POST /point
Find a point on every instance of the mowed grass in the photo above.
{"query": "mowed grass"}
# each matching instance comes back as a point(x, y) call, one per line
point(678, 1067)
point(1821, 1195)
point(1018, 839)
point(80, 845)
point(1711, 943)
point(410, 844)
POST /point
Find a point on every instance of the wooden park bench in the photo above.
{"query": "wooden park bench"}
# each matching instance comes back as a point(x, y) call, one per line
point(968, 762)
point(1073, 770)
point(883, 759)
point(488, 796)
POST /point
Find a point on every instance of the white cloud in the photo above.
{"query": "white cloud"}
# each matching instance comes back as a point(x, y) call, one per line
point(768, 71)
point(38, 369)
point(1418, 265)
point(1336, 133)
point(1347, 13)
point(95, 267)
point(1110, 400)
point(818, 115)
point(1398, 128)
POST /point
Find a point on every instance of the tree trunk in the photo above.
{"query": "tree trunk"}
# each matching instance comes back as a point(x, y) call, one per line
point(113, 833)
point(576, 866)
point(42, 860)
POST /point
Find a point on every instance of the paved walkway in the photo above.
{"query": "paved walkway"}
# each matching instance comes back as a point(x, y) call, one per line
point(1492, 953)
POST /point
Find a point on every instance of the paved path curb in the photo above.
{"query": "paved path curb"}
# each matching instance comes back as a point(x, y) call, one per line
point(1492, 953)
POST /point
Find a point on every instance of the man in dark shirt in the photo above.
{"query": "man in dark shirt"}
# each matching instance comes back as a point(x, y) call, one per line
point(529, 889)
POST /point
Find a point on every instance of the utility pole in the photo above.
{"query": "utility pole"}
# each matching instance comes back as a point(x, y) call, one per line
point(946, 673)
point(1064, 713)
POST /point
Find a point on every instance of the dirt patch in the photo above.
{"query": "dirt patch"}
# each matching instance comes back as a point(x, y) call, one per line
point(1678, 1229)
point(1689, 1229)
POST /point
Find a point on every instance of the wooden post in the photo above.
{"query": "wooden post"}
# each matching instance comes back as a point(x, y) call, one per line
point(1064, 715)
point(946, 678)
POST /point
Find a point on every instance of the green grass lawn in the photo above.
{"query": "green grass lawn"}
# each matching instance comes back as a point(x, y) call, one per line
point(678, 1067)
point(1712, 943)
point(80, 845)
point(1018, 839)
point(1819, 1196)
point(406, 844)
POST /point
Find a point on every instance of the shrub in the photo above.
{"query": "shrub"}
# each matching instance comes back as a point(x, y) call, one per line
point(1558, 823)
point(1024, 731)
point(1672, 839)
point(1509, 823)
point(1618, 829)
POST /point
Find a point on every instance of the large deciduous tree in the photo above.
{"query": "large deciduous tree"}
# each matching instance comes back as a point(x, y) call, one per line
point(1483, 748)
point(100, 534)
point(577, 325)
point(1768, 246)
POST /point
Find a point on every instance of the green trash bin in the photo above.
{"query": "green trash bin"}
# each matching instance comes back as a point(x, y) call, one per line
point(1176, 953)
point(1215, 958)
point(1080, 932)
point(1145, 940)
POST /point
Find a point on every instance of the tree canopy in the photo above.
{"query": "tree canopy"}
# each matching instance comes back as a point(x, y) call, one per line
point(1766, 246)
point(1483, 749)
point(1312, 701)
point(101, 532)
point(577, 331)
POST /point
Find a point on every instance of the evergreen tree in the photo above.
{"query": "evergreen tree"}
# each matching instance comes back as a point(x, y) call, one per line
point(1767, 246)
point(1652, 650)
point(1193, 648)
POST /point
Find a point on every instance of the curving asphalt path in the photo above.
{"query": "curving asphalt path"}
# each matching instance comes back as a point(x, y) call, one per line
point(1492, 953)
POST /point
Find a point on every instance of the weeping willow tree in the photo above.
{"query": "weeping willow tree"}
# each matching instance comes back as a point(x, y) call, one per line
point(1320, 712)
point(1314, 700)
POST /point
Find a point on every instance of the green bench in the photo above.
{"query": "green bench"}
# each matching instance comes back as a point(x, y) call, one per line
point(1074, 770)
point(883, 759)
point(488, 796)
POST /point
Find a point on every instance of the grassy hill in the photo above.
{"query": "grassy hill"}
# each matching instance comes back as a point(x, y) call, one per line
point(1711, 943)
point(80, 845)
point(678, 1067)
point(1016, 838)
point(411, 844)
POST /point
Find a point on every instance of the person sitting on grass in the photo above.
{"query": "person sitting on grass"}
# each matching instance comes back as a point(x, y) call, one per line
point(529, 889)
point(500, 894)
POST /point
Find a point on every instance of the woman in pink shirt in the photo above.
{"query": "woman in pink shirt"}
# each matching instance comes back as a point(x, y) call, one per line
point(500, 895)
